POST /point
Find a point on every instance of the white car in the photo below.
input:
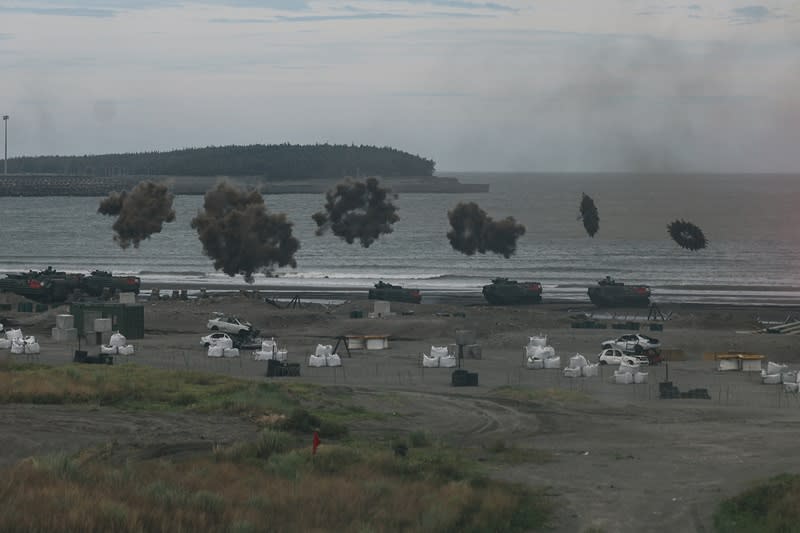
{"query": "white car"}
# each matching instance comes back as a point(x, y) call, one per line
point(613, 356)
point(635, 343)
point(229, 324)
point(213, 338)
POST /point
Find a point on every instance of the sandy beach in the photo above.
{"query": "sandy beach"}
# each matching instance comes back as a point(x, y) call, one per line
point(624, 460)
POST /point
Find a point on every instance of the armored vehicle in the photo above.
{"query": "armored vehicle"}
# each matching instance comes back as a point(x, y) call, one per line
point(53, 286)
point(98, 280)
point(611, 293)
point(394, 293)
point(503, 291)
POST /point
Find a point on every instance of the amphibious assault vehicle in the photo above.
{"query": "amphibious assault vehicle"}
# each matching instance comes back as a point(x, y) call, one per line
point(394, 293)
point(503, 291)
point(611, 293)
point(53, 286)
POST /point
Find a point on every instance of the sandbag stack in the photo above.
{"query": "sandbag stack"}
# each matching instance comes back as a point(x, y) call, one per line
point(117, 344)
point(268, 351)
point(217, 348)
point(779, 374)
point(629, 373)
point(439, 358)
point(65, 330)
point(539, 355)
point(324, 356)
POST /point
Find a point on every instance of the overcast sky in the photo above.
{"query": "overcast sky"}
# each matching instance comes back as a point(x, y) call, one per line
point(505, 85)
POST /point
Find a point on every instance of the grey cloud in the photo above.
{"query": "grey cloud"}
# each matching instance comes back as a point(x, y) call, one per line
point(460, 4)
point(61, 11)
point(752, 14)
point(328, 18)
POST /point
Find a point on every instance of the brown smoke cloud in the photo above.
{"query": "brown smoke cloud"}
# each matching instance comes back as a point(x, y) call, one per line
point(475, 231)
point(357, 210)
point(240, 235)
point(140, 213)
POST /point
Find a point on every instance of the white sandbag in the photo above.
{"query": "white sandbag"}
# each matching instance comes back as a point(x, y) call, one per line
point(728, 364)
point(29, 339)
point(17, 346)
point(281, 355)
point(542, 352)
point(118, 339)
point(776, 368)
point(789, 377)
point(333, 360)
point(630, 369)
point(447, 362)
point(12, 334)
point(215, 350)
point(541, 341)
point(32, 348)
point(107, 349)
point(439, 351)
point(771, 379)
point(552, 362)
point(640, 377)
point(578, 361)
point(269, 346)
point(791, 387)
point(623, 378)
point(125, 350)
point(430, 362)
point(534, 363)
point(570, 372)
point(261, 355)
point(590, 371)
point(230, 352)
point(225, 343)
point(5, 344)
point(323, 350)
point(1, 327)
point(317, 361)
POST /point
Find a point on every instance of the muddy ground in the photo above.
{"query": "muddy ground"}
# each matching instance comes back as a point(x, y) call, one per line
point(622, 459)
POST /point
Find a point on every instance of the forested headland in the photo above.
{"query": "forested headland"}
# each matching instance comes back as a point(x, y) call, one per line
point(273, 162)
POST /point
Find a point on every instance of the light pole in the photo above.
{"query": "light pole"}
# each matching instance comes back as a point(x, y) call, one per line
point(5, 152)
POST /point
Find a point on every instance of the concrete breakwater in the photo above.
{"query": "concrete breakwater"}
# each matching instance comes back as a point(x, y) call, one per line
point(71, 185)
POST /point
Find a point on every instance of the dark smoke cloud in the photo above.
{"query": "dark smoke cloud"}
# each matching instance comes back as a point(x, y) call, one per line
point(475, 231)
point(687, 235)
point(356, 210)
point(591, 220)
point(140, 213)
point(240, 235)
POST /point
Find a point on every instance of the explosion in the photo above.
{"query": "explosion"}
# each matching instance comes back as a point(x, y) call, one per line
point(356, 210)
point(591, 220)
point(475, 231)
point(240, 235)
point(140, 213)
point(687, 235)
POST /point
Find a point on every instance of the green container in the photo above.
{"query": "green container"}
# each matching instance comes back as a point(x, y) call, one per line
point(356, 313)
point(5, 307)
point(656, 327)
point(41, 308)
point(25, 307)
point(127, 319)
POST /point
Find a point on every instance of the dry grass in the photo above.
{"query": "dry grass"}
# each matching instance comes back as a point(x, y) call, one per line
point(769, 507)
point(341, 489)
point(540, 395)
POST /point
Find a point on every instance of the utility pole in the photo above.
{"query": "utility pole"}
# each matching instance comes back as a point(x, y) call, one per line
point(5, 152)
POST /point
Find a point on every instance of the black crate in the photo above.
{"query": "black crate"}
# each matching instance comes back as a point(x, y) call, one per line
point(459, 378)
point(472, 379)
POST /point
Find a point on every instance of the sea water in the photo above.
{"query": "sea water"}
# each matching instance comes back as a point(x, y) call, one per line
point(750, 221)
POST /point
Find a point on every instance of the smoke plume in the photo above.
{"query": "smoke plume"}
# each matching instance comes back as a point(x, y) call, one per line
point(140, 213)
point(475, 231)
point(591, 220)
point(240, 235)
point(357, 210)
point(687, 235)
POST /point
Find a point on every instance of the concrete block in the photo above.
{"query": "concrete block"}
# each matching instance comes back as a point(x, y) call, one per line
point(64, 335)
point(102, 325)
point(65, 321)
point(99, 338)
point(473, 351)
point(382, 308)
point(127, 298)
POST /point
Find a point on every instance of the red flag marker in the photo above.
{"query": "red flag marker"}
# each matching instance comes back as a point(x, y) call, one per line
point(315, 443)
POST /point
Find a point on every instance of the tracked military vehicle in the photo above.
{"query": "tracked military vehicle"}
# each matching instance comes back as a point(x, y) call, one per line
point(53, 286)
point(503, 291)
point(394, 293)
point(611, 293)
